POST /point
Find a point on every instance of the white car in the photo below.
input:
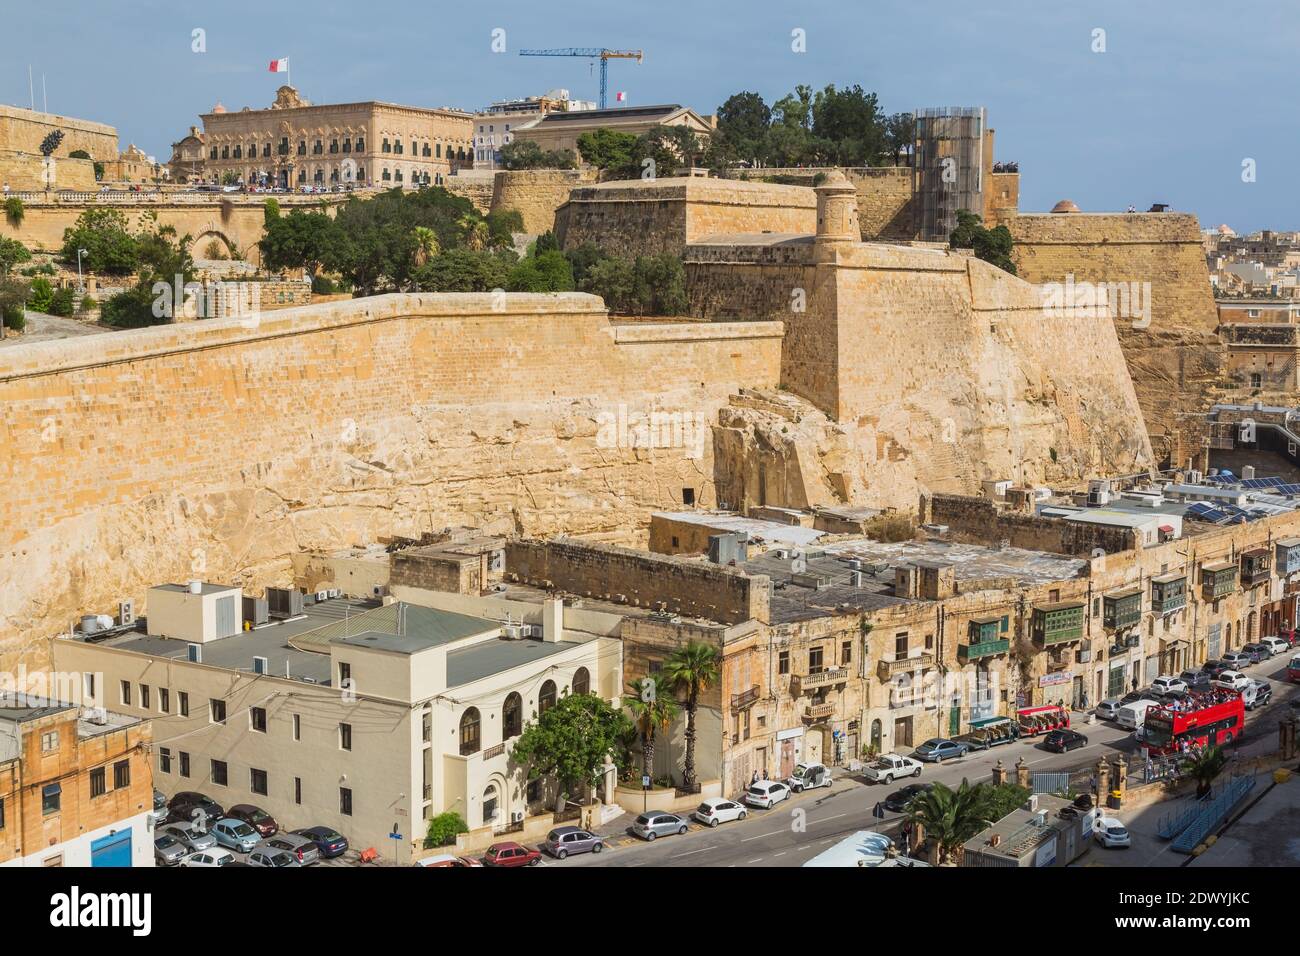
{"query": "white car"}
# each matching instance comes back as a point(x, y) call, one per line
point(766, 793)
point(889, 767)
point(1109, 832)
point(1276, 644)
point(1232, 680)
point(1168, 685)
point(209, 858)
point(716, 810)
point(808, 776)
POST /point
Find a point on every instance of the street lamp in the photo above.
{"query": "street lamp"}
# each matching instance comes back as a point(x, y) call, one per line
point(81, 286)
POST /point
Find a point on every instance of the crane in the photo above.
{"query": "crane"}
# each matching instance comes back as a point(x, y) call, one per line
point(592, 53)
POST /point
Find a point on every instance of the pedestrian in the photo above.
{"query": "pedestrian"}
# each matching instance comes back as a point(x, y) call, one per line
point(754, 779)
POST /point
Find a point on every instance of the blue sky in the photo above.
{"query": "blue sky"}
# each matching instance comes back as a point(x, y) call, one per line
point(1182, 95)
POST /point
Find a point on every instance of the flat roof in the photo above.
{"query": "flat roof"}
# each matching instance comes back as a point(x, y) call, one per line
point(485, 658)
point(726, 522)
point(206, 588)
point(1114, 517)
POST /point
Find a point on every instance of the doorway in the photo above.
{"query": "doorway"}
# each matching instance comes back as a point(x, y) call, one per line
point(902, 732)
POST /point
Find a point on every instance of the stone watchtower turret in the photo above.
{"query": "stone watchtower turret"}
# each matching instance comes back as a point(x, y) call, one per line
point(837, 211)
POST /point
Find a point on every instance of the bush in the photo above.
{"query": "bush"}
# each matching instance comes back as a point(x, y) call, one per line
point(63, 302)
point(444, 828)
point(549, 272)
point(462, 270)
point(323, 285)
point(650, 285)
point(132, 309)
point(110, 248)
point(13, 317)
point(41, 295)
point(14, 211)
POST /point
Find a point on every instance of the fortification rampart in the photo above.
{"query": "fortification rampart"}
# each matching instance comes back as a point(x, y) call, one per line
point(536, 194)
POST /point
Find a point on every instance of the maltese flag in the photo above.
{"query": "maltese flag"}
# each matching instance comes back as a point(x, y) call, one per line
point(620, 97)
point(280, 66)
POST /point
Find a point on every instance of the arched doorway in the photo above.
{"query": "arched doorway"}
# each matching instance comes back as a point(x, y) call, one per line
point(1252, 626)
point(876, 732)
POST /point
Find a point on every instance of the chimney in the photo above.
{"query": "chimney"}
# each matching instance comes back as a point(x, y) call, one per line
point(995, 840)
point(552, 620)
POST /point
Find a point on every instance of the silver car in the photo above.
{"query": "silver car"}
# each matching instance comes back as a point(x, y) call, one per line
point(167, 850)
point(236, 834)
point(649, 826)
point(303, 850)
point(191, 836)
point(563, 841)
point(266, 856)
point(1108, 709)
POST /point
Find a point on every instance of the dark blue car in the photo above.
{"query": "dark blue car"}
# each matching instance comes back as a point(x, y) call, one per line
point(329, 843)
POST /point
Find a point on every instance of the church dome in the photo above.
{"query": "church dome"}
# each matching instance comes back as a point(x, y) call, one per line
point(1065, 205)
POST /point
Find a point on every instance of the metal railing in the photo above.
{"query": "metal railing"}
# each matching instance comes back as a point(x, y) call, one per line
point(1213, 814)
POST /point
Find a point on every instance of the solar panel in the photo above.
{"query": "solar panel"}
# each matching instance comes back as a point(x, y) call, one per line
point(1288, 489)
point(1261, 482)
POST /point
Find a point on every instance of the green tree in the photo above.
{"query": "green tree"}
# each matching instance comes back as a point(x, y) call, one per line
point(651, 713)
point(608, 149)
point(991, 245)
point(900, 135)
point(14, 210)
point(548, 272)
point(462, 270)
point(848, 126)
point(571, 740)
point(426, 245)
point(110, 247)
point(1204, 767)
point(581, 259)
point(444, 828)
point(12, 252)
point(14, 293)
point(63, 302)
point(743, 122)
point(614, 280)
point(304, 239)
point(688, 671)
point(951, 817)
point(41, 295)
point(525, 154)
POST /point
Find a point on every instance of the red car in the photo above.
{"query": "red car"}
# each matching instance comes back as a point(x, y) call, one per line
point(510, 854)
point(256, 817)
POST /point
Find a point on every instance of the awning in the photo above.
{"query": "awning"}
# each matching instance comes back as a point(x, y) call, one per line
point(1167, 529)
point(1173, 643)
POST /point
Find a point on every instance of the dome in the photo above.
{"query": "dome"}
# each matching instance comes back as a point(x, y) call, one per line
point(1065, 205)
point(218, 108)
point(1225, 230)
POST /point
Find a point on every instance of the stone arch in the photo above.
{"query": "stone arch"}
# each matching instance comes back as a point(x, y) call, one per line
point(200, 243)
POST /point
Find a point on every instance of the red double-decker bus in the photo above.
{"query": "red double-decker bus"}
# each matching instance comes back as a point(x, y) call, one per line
point(1200, 719)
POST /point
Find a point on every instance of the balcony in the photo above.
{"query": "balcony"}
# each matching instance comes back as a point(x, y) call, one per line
point(981, 649)
point(1218, 580)
point(815, 712)
point(496, 751)
point(1121, 609)
point(1256, 567)
point(887, 669)
point(1058, 623)
point(1168, 593)
point(803, 683)
point(745, 699)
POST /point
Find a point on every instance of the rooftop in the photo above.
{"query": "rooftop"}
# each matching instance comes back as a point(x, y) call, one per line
point(468, 664)
point(772, 532)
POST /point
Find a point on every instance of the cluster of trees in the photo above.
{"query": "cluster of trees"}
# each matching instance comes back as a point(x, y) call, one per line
point(829, 127)
point(991, 245)
point(951, 817)
point(14, 290)
point(525, 154)
point(660, 152)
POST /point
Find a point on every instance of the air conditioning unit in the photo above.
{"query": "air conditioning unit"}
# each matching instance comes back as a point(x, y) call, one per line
point(1083, 657)
point(532, 630)
point(512, 632)
point(517, 817)
point(126, 612)
point(322, 597)
point(95, 715)
point(284, 602)
point(379, 590)
point(334, 593)
point(1194, 477)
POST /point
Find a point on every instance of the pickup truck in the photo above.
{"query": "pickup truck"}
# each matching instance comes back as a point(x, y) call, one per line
point(889, 767)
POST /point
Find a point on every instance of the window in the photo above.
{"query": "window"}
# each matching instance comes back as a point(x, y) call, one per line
point(257, 781)
point(257, 719)
point(846, 652)
point(49, 741)
point(97, 786)
point(361, 144)
point(582, 681)
point(266, 150)
point(126, 693)
point(297, 790)
point(512, 717)
point(345, 674)
point(297, 727)
point(317, 149)
point(302, 147)
point(144, 696)
point(51, 798)
point(121, 774)
point(386, 147)
point(900, 646)
point(90, 687)
point(216, 711)
point(929, 642)
point(345, 801)
point(164, 700)
point(219, 772)
point(1256, 380)
point(469, 728)
point(345, 736)
point(225, 152)
point(185, 763)
point(1054, 595)
point(164, 759)
point(426, 726)
point(183, 699)
point(437, 150)
point(814, 660)
point(783, 662)
point(546, 699)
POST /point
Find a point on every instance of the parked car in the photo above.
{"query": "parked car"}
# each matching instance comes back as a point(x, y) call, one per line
point(889, 767)
point(1232, 680)
point(1236, 660)
point(564, 841)
point(255, 817)
point(167, 850)
point(717, 810)
point(766, 793)
point(271, 857)
point(1109, 832)
point(808, 776)
point(1257, 651)
point(1196, 680)
point(900, 800)
point(1134, 715)
point(652, 825)
point(1276, 645)
point(158, 814)
point(1164, 685)
point(193, 838)
point(236, 834)
point(329, 843)
point(1108, 709)
point(211, 858)
point(301, 848)
point(1145, 693)
point(938, 749)
point(1061, 741)
point(511, 854)
point(1259, 693)
point(183, 807)
point(1215, 668)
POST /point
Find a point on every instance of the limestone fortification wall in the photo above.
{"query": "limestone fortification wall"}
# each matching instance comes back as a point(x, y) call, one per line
point(475, 185)
point(886, 206)
point(30, 171)
point(646, 217)
point(23, 130)
point(216, 449)
point(536, 194)
point(1177, 361)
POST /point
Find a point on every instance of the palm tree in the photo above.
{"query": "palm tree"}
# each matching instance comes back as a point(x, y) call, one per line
point(426, 245)
point(1204, 767)
point(477, 235)
point(651, 713)
point(689, 670)
point(951, 817)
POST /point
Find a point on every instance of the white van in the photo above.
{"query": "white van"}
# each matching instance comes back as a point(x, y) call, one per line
point(1134, 715)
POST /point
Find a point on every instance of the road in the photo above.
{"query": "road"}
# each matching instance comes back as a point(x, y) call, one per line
point(796, 830)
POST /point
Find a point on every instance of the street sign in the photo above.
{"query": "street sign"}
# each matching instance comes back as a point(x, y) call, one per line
point(394, 836)
point(645, 781)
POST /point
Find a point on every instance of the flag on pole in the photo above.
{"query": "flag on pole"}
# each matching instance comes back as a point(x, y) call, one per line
point(620, 97)
point(280, 66)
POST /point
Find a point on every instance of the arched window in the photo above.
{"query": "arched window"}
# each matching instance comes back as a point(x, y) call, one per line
point(875, 734)
point(581, 681)
point(469, 732)
point(546, 698)
point(512, 717)
point(491, 801)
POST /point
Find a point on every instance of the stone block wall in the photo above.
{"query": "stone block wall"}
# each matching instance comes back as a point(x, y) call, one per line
point(27, 172)
point(682, 586)
point(23, 131)
point(536, 194)
point(978, 521)
point(474, 185)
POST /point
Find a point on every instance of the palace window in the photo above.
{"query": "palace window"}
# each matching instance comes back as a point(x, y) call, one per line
point(386, 147)
point(302, 147)
point(334, 146)
point(317, 148)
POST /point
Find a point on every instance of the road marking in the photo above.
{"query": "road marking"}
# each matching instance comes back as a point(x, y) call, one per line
point(782, 853)
point(689, 852)
point(762, 835)
point(757, 859)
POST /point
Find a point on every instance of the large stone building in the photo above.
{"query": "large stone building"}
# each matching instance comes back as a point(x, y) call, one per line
point(295, 143)
point(560, 130)
point(496, 126)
